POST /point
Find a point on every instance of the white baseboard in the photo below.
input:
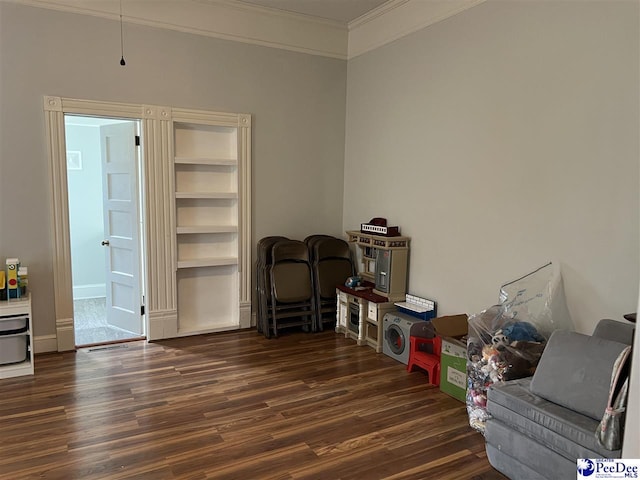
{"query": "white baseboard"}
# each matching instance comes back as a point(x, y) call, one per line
point(92, 290)
point(245, 315)
point(162, 324)
point(66, 334)
point(45, 343)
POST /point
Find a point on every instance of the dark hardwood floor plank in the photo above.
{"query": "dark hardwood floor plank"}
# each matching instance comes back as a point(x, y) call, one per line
point(233, 406)
point(274, 463)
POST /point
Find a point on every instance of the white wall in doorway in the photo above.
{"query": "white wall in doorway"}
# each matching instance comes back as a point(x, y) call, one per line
point(85, 211)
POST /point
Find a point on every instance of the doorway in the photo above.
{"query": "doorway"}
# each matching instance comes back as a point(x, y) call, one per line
point(105, 225)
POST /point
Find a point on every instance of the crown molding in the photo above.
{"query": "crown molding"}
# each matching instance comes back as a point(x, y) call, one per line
point(380, 10)
point(262, 10)
point(226, 19)
point(397, 18)
point(239, 21)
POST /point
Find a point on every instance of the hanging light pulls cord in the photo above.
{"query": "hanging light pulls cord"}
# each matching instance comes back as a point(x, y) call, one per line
point(122, 62)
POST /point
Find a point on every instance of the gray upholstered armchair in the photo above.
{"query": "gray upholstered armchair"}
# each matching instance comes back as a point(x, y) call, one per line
point(541, 425)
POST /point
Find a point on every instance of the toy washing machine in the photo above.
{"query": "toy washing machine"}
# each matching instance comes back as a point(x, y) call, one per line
point(397, 328)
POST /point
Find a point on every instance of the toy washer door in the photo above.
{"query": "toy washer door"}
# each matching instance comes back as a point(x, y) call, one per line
point(397, 331)
point(396, 340)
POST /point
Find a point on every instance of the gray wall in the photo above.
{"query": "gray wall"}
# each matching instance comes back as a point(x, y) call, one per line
point(86, 223)
point(297, 102)
point(502, 138)
point(497, 139)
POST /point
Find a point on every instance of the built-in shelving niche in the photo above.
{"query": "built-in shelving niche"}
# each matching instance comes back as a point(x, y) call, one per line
point(208, 225)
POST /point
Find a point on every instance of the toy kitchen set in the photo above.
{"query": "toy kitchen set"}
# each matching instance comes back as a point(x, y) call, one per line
point(382, 258)
point(16, 352)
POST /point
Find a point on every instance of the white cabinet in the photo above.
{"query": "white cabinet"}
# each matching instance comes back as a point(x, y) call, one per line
point(212, 198)
point(16, 349)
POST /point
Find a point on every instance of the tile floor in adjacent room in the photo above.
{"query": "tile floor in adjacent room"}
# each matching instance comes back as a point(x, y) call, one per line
point(90, 321)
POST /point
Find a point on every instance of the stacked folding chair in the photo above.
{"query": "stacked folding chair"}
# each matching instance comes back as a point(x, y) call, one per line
point(292, 295)
point(263, 282)
point(296, 281)
point(311, 241)
point(332, 265)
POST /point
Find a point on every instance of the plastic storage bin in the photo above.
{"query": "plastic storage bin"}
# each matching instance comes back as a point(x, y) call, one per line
point(14, 324)
point(13, 348)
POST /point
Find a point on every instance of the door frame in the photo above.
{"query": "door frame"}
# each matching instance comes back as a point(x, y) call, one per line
point(158, 182)
point(128, 138)
point(55, 110)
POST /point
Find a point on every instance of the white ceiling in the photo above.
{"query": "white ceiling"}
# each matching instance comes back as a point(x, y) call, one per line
point(342, 11)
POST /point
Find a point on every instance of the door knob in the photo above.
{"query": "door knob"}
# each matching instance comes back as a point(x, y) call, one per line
point(105, 242)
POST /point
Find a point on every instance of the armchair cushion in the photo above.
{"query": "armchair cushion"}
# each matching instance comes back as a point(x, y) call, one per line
point(613, 330)
point(561, 429)
point(575, 372)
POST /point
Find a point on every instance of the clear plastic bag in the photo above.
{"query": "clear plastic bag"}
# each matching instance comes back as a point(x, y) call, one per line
point(538, 297)
point(506, 341)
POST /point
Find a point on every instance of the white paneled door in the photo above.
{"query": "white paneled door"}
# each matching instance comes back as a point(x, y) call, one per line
point(121, 226)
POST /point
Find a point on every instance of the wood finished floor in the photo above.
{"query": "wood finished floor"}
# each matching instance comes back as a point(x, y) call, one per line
point(234, 406)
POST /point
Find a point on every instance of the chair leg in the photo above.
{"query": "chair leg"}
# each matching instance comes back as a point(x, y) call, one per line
point(258, 296)
point(410, 364)
point(274, 323)
point(265, 312)
point(314, 316)
point(434, 375)
point(432, 369)
point(318, 310)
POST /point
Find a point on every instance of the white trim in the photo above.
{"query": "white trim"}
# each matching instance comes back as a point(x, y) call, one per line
point(244, 245)
point(397, 18)
point(160, 241)
point(62, 285)
point(239, 21)
point(225, 19)
point(375, 13)
point(160, 261)
point(45, 344)
point(250, 7)
point(54, 109)
point(245, 315)
point(162, 324)
point(65, 333)
point(94, 290)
